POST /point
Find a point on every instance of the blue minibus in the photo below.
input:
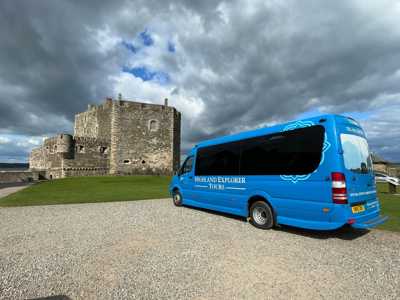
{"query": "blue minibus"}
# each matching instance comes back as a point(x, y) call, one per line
point(314, 173)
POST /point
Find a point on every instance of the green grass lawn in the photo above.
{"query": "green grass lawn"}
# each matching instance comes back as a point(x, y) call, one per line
point(90, 189)
point(390, 205)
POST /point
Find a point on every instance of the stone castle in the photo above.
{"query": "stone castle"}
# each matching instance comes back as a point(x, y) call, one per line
point(115, 138)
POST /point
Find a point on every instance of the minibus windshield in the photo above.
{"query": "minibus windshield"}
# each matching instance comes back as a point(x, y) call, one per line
point(355, 153)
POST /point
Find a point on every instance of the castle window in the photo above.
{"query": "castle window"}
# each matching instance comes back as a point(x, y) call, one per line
point(55, 148)
point(80, 149)
point(127, 161)
point(153, 125)
point(103, 149)
point(143, 161)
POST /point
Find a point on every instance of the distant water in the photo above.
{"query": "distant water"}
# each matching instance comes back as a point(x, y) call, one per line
point(13, 167)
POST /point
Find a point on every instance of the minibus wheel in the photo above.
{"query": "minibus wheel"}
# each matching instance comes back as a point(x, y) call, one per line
point(177, 198)
point(261, 215)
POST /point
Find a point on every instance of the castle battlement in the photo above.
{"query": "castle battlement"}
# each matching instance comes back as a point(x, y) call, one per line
point(115, 137)
point(109, 102)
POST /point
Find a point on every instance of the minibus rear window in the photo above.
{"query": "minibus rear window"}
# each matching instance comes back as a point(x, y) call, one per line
point(293, 152)
point(355, 153)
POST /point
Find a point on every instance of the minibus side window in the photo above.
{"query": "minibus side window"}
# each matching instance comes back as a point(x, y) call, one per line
point(293, 152)
point(218, 160)
point(187, 166)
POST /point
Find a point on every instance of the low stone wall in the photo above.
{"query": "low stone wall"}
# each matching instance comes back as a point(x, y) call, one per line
point(20, 176)
point(394, 171)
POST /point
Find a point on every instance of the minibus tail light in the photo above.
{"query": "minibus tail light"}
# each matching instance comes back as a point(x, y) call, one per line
point(339, 190)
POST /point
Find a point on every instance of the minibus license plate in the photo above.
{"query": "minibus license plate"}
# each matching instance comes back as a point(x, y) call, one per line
point(357, 209)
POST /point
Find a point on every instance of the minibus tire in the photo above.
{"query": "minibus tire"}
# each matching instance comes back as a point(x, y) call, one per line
point(177, 198)
point(261, 215)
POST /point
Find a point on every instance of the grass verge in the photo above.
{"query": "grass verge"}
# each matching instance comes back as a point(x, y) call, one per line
point(90, 189)
point(390, 206)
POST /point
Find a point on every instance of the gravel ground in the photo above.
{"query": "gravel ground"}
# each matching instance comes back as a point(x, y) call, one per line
point(153, 250)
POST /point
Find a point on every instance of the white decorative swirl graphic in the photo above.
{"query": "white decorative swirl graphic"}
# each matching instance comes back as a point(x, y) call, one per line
point(326, 146)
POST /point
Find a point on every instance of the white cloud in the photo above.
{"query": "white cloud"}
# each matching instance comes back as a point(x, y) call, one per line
point(29, 142)
point(237, 65)
point(4, 140)
point(134, 88)
point(106, 41)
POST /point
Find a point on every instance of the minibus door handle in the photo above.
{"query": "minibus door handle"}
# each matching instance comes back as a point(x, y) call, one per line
point(190, 177)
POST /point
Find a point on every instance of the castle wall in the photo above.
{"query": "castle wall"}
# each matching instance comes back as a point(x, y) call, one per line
point(117, 137)
point(19, 176)
point(38, 159)
point(142, 138)
point(91, 158)
point(47, 158)
point(50, 156)
point(176, 141)
point(95, 122)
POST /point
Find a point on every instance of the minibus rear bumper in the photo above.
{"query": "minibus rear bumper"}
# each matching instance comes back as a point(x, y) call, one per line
point(368, 221)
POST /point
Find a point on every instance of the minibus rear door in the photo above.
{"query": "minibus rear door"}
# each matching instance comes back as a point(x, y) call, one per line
point(358, 171)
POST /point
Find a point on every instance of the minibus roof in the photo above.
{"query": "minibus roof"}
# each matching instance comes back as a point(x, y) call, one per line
point(273, 129)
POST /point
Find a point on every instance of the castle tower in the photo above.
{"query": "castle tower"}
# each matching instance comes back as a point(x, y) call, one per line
point(65, 145)
point(145, 138)
point(65, 149)
point(115, 136)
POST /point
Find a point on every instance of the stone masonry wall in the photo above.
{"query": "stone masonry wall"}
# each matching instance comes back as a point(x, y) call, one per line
point(117, 137)
point(19, 176)
point(176, 141)
point(91, 158)
point(46, 156)
point(142, 138)
point(95, 122)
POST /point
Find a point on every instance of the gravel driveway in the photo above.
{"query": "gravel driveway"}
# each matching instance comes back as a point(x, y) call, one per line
point(151, 249)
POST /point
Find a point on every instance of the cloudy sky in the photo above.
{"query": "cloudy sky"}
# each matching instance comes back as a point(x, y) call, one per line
point(226, 65)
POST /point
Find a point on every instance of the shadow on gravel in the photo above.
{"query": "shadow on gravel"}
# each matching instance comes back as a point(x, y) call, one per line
point(239, 218)
point(344, 233)
point(57, 297)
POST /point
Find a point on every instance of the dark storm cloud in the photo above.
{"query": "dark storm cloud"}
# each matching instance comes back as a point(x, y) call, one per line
point(250, 63)
point(383, 131)
point(282, 57)
point(50, 64)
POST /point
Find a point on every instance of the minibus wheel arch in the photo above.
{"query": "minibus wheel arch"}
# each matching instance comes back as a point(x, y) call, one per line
point(256, 198)
point(176, 197)
point(175, 190)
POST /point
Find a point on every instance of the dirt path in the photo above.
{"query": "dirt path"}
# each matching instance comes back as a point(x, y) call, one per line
point(6, 190)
